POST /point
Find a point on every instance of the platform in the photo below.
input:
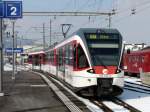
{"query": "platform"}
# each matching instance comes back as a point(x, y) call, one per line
point(27, 93)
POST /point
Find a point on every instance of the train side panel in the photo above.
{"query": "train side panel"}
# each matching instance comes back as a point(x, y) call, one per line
point(138, 62)
point(145, 69)
point(132, 63)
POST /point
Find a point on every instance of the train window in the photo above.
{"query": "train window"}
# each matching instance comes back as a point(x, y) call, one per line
point(60, 58)
point(67, 54)
point(51, 57)
point(70, 55)
point(136, 58)
point(36, 60)
point(40, 59)
point(43, 58)
point(30, 58)
point(129, 59)
point(82, 60)
point(142, 59)
point(75, 57)
point(133, 59)
point(46, 57)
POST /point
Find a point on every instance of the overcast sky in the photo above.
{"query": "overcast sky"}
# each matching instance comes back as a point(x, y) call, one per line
point(135, 28)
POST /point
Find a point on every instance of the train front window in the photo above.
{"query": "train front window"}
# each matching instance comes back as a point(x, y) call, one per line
point(104, 48)
point(82, 60)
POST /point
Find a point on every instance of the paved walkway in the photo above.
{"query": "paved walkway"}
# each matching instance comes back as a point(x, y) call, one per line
point(28, 93)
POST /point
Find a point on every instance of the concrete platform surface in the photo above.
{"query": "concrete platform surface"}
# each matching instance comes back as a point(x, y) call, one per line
point(28, 93)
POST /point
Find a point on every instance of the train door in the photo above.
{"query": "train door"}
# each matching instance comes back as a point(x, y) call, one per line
point(68, 62)
point(40, 60)
point(61, 67)
point(57, 59)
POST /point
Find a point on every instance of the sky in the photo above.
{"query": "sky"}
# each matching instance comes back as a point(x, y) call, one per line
point(133, 27)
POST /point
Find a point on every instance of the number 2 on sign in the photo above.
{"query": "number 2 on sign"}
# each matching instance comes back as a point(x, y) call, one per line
point(13, 11)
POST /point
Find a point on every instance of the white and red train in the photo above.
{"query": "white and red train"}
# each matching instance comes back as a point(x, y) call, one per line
point(88, 60)
point(137, 63)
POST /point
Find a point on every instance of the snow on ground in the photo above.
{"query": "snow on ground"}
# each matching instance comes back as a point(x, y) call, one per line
point(133, 80)
point(8, 67)
point(138, 100)
point(115, 107)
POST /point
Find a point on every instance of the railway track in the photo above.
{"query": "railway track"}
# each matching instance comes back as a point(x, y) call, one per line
point(137, 87)
point(115, 100)
point(125, 105)
point(69, 100)
point(100, 104)
point(140, 85)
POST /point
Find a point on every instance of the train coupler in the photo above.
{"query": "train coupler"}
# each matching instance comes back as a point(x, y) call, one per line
point(104, 86)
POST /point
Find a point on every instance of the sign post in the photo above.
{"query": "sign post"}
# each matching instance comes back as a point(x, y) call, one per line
point(11, 10)
point(1, 53)
point(1, 50)
point(1, 9)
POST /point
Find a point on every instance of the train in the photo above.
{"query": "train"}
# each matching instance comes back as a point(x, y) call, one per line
point(137, 63)
point(88, 61)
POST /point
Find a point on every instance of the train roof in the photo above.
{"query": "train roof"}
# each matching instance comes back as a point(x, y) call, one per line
point(141, 51)
point(94, 30)
point(34, 53)
point(146, 48)
point(81, 31)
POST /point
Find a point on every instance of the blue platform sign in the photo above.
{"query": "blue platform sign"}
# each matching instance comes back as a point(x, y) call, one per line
point(11, 9)
point(1, 9)
point(16, 50)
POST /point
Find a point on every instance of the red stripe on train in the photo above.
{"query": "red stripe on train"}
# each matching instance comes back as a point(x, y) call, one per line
point(110, 69)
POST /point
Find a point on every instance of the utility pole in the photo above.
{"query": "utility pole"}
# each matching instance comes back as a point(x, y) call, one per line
point(1, 59)
point(109, 25)
point(44, 43)
point(67, 26)
point(13, 36)
point(50, 32)
point(21, 46)
point(15, 53)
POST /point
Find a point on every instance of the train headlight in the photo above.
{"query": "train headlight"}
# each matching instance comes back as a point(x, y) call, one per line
point(91, 71)
point(119, 70)
point(105, 71)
